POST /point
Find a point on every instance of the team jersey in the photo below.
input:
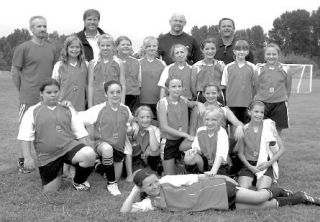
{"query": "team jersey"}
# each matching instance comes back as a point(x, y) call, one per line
point(251, 142)
point(73, 80)
point(207, 74)
point(239, 82)
point(177, 115)
point(213, 145)
point(109, 125)
point(54, 131)
point(272, 83)
point(181, 72)
point(104, 71)
point(150, 74)
point(132, 71)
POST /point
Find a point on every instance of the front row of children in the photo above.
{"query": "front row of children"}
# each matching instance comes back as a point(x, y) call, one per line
point(59, 136)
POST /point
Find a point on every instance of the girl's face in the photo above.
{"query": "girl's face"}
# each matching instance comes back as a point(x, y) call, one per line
point(125, 47)
point(180, 54)
point(209, 50)
point(271, 55)
point(114, 94)
point(241, 53)
point(106, 47)
point(152, 48)
point(50, 95)
point(144, 118)
point(175, 87)
point(257, 113)
point(211, 120)
point(151, 185)
point(211, 94)
point(74, 49)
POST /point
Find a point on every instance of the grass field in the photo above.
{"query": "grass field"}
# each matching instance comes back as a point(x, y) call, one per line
point(21, 198)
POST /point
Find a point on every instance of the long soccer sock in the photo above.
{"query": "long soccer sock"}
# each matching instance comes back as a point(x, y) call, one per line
point(82, 174)
point(109, 169)
point(292, 200)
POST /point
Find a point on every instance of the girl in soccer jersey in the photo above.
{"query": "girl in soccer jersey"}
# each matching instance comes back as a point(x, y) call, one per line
point(145, 145)
point(259, 150)
point(72, 73)
point(206, 71)
point(273, 85)
point(151, 69)
point(198, 192)
point(59, 137)
point(211, 94)
point(238, 78)
point(104, 69)
point(132, 72)
point(210, 147)
point(111, 121)
point(173, 118)
point(179, 69)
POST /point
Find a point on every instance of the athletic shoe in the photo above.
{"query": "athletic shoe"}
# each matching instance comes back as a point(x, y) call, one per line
point(285, 193)
point(81, 186)
point(21, 168)
point(113, 189)
point(307, 199)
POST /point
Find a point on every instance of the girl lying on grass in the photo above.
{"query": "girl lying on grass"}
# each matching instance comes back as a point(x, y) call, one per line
point(198, 192)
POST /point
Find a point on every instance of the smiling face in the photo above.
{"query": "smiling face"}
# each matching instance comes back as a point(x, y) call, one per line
point(38, 28)
point(151, 185)
point(91, 23)
point(74, 49)
point(211, 94)
point(175, 88)
point(209, 50)
point(106, 47)
point(177, 23)
point(144, 119)
point(114, 94)
point(50, 95)
point(257, 113)
point(151, 48)
point(211, 119)
point(124, 47)
point(271, 55)
point(226, 28)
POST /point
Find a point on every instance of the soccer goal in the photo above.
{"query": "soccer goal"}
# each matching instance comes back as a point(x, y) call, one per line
point(301, 77)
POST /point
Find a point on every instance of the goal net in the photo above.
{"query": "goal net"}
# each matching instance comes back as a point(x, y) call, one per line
point(301, 77)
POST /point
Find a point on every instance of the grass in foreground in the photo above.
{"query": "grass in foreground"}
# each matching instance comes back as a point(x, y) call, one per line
point(21, 198)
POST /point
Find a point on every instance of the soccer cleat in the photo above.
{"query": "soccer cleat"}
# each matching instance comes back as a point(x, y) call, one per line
point(113, 189)
point(81, 186)
point(22, 169)
point(307, 199)
point(286, 193)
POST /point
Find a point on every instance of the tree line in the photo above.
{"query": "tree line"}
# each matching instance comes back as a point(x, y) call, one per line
point(296, 32)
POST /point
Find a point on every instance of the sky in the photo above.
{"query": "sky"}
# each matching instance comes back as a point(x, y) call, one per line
point(140, 18)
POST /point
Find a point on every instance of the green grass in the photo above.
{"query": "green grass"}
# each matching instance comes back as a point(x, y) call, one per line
point(21, 198)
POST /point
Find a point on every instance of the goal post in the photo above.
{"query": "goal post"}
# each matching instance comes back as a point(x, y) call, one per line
point(301, 77)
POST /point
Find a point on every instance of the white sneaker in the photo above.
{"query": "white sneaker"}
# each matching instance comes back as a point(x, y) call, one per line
point(82, 186)
point(113, 189)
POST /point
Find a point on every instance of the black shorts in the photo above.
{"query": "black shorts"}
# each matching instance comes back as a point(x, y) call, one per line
point(155, 163)
point(137, 163)
point(171, 149)
point(241, 113)
point(248, 173)
point(133, 102)
point(278, 112)
point(231, 192)
point(223, 169)
point(118, 156)
point(54, 169)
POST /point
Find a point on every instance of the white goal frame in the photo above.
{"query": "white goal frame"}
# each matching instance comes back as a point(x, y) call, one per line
point(301, 75)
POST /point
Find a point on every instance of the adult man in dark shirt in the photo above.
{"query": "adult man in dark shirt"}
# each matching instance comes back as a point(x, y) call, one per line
point(227, 41)
point(178, 36)
point(89, 34)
